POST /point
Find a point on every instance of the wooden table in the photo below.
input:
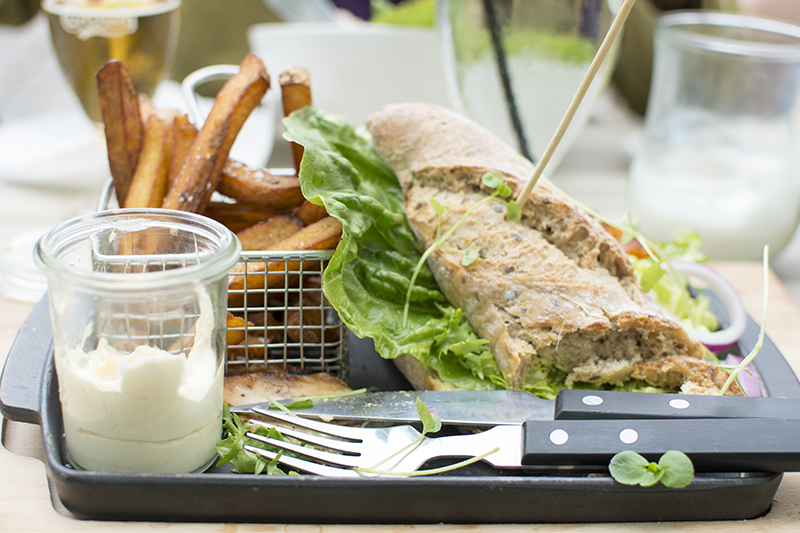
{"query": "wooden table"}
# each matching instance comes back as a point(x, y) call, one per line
point(27, 504)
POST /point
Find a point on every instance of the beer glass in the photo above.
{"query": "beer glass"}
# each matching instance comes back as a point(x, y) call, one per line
point(514, 66)
point(142, 34)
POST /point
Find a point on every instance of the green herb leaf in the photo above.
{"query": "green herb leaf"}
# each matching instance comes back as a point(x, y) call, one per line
point(504, 190)
point(438, 208)
point(628, 468)
point(492, 180)
point(678, 469)
point(513, 211)
point(674, 469)
point(430, 422)
point(651, 276)
point(470, 255)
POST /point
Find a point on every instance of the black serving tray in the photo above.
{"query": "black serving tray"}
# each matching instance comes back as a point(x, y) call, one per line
point(479, 494)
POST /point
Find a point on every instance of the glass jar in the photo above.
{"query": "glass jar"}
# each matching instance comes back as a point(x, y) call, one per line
point(720, 149)
point(138, 301)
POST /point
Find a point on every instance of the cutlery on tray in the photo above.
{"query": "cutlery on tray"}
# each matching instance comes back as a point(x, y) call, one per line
point(713, 445)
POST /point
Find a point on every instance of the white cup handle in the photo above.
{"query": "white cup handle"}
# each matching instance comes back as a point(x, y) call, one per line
point(197, 78)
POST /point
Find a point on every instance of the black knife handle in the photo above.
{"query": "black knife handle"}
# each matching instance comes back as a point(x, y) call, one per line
point(713, 445)
point(585, 405)
point(23, 374)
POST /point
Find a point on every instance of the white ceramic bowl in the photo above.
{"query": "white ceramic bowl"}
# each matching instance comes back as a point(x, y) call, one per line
point(355, 68)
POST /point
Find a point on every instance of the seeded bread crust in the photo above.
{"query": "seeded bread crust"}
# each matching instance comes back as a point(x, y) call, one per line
point(555, 288)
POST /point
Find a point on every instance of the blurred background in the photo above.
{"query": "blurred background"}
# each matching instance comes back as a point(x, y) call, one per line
point(51, 154)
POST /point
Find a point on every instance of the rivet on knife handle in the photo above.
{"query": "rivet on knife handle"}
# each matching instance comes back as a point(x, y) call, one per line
point(586, 405)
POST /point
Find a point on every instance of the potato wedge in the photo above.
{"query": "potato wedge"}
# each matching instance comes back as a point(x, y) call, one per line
point(183, 135)
point(124, 130)
point(310, 213)
point(237, 217)
point(150, 181)
point(146, 107)
point(257, 187)
point(236, 329)
point(322, 235)
point(264, 234)
point(295, 94)
point(201, 173)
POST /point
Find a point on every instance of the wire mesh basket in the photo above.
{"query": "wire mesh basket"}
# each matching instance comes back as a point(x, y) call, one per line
point(278, 316)
point(285, 318)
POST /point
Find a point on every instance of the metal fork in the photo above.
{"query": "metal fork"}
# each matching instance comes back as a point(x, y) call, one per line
point(362, 451)
point(721, 445)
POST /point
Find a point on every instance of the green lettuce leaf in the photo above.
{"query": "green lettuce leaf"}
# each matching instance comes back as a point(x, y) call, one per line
point(369, 274)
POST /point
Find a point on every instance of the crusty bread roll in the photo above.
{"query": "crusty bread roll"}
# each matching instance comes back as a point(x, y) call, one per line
point(555, 288)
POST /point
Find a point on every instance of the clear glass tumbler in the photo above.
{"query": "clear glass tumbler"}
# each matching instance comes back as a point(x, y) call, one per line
point(514, 66)
point(138, 303)
point(721, 142)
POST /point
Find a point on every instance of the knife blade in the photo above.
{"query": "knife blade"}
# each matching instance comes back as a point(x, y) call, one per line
point(478, 408)
point(490, 408)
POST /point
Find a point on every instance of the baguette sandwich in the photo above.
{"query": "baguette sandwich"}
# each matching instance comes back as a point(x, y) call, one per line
point(552, 298)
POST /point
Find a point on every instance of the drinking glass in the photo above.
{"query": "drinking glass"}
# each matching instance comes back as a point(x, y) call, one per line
point(142, 34)
point(721, 140)
point(514, 66)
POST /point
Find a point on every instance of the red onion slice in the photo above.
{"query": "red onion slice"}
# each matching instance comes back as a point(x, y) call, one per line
point(747, 378)
point(720, 340)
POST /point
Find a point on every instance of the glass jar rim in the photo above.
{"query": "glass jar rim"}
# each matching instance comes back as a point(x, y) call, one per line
point(82, 227)
point(684, 27)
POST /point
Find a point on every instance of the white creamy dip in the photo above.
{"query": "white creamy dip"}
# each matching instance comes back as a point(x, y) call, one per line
point(145, 411)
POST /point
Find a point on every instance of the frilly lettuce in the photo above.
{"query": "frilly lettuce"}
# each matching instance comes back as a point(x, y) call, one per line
point(368, 276)
point(670, 291)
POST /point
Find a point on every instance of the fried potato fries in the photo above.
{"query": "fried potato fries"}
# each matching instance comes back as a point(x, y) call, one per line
point(310, 213)
point(159, 158)
point(151, 179)
point(202, 170)
point(181, 138)
point(259, 188)
point(265, 234)
point(322, 235)
point(119, 103)
point(295, 94)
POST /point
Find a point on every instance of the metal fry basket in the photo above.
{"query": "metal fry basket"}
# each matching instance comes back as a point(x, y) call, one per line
point(278, 316)
point(287, 321)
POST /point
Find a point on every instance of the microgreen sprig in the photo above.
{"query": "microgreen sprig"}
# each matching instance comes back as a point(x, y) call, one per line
point(674, 469)
point(231, 448)
point(492, 180)
point(735, 371)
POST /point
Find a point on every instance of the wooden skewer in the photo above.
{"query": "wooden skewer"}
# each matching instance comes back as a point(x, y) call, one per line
point(602, 52)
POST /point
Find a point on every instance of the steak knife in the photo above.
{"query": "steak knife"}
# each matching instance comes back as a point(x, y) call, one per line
point(490, 408)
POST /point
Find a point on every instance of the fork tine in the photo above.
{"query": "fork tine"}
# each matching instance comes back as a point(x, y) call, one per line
point(302, 464)
point(320, 427)
point(335, 444)
point(328, 457)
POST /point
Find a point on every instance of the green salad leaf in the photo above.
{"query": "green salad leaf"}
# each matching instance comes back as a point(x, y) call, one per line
point(674, 469)
point(369, 275)
point(669, 291)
